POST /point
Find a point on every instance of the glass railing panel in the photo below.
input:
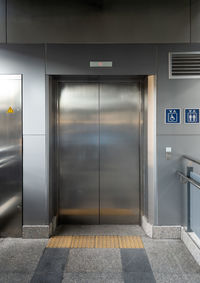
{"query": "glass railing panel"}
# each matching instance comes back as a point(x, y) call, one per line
point(195, 205)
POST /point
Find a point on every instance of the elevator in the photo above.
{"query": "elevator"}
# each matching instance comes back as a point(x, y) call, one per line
point(98, 151)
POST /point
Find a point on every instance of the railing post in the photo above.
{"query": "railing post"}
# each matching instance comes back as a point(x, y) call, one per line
point(189, 169)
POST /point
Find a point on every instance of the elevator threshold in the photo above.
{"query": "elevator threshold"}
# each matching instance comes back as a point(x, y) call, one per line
point(89, 212)
point(104, 242)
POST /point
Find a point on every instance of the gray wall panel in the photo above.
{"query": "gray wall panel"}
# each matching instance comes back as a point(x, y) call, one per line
point(180, 93)
point(171, 192)
point(35, 208)
point(127, 59)
point(184, 139)
point(2, 21)
point(75, 21)
point(195, 21)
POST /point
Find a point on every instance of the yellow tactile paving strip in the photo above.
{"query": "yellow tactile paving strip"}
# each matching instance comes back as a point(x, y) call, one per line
point(104, 242)
point(83, 242)
point(60, 242)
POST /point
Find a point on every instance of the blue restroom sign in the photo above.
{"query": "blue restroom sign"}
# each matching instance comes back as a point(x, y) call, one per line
point(173, 116)
point(191, 116)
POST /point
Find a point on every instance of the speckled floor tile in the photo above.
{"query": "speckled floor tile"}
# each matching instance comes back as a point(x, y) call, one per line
point(93, 277)
point(184, 257)
point(161, 257)
point(170, 278)
point(135, 260)
point(192, 278)
point(94, 260)
point(15, 277)
point(44, 277)
point(51, 266)
point(52, 260)
point(138, 277)
point(19, 255)
point(152, 244)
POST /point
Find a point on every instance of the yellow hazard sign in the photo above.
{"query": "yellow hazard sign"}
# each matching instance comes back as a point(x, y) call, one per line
point(10, 110)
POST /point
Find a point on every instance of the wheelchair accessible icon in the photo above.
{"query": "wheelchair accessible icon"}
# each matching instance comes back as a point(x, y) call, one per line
point(172, 116)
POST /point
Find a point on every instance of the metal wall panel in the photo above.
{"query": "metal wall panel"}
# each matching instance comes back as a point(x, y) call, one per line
point(35, 195)
point(151, 159)
point(119, 153)
point(29, 61)
point(10, 156)
point(3, 21)
point(78, 153)
point(127, 59)
point(73, 21)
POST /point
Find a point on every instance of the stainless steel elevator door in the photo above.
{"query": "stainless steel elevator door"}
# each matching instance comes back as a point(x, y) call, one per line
point(98, 146)
point(78, 121)
point(119, 153)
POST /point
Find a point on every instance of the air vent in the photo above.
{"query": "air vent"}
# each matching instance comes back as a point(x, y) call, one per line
point(184, 65)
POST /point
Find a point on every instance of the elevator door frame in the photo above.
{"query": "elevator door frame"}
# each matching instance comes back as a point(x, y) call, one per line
point(142, 142)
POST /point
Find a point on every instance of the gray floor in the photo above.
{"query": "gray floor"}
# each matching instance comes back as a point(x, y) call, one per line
point(170, 261)
point(19, 259)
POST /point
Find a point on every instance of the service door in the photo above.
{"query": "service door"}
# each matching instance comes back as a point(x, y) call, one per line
point(10, 156)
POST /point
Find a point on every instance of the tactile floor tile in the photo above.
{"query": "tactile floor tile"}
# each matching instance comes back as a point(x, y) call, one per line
point(118, 242)
point(60, 242)
point(83, 242)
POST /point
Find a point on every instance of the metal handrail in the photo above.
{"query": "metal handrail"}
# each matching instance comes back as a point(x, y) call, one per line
point(191, 159)
point(187, 179)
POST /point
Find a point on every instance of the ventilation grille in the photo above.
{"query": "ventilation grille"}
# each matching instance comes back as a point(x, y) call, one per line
point(184, 65)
